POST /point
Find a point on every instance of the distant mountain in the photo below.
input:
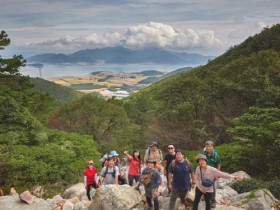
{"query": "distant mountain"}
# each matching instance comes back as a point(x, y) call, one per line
point(157, 77)
point(121, 55)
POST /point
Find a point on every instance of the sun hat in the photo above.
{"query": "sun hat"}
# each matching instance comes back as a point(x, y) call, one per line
point(113, 153)
point(90, 162)
point(154, 143)
point(201, 156)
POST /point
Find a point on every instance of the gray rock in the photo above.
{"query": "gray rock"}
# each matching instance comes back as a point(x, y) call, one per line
point(26, 197)
point(255, 200)
point(68, 205)
point(77, 190)
point(221, 182)
point(117, 197)
point(14, 203)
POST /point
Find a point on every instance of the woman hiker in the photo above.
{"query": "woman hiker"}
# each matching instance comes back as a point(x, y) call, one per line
point(204, 179)
point(134, 170)
point(90, 178)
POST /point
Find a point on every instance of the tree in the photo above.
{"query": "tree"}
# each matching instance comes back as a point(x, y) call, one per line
point(258, 130)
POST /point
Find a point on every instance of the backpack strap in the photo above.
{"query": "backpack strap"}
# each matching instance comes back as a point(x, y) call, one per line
point(189, 165)
point(112, 173)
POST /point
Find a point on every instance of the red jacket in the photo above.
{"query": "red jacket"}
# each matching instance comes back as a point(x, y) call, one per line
point(90, 175)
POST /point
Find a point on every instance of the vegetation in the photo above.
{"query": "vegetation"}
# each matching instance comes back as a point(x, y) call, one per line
point(252, 184)
point(59, 92)
point(234, 100)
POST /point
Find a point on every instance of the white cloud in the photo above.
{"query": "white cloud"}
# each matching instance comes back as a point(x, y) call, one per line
point(152, 34)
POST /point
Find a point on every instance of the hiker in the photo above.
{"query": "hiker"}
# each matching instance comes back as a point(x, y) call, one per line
point(150, 178)
point(204, 180)
point(109, 173)
point(167, 160)
point(134, 170)
point(214, 160)
point(179, 172)
point(90, 178)
point(154, 153)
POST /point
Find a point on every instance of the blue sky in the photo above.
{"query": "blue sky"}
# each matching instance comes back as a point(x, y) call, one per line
point(195, 26)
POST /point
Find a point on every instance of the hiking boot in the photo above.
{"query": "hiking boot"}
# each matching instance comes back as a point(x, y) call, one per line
point(213, 204)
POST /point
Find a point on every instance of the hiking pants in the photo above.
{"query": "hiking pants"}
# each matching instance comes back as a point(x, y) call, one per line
point(175, 193)
point(131, 178)
point(156, 203)
point(207, 197)
point(88, 190)
point(213, 198)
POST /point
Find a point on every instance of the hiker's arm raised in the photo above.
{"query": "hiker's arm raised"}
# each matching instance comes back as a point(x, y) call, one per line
point(127, 155)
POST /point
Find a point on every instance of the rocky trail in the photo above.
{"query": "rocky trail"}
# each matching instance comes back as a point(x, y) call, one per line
point(124, 197)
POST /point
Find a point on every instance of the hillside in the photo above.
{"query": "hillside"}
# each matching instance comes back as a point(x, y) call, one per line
point(198, 104)
point(121, 55)
point(59, 92)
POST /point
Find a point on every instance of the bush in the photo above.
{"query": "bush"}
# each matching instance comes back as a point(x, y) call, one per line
point(251, 184)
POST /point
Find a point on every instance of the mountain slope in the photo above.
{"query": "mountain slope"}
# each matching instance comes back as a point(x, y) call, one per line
point(198, 104)
point(121, 55)
point(59, 92)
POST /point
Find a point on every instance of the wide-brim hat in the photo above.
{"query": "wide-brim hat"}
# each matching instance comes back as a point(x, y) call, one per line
point(154, 143)
point(201, 156)
point(113, 153)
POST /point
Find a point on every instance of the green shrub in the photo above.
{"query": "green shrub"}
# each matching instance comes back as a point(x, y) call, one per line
point(252, 184)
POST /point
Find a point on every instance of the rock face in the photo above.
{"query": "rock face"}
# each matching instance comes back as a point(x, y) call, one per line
point(77, 190)
point(117, 197)
point(14, 203)
point(124, 197)
point(260, 199)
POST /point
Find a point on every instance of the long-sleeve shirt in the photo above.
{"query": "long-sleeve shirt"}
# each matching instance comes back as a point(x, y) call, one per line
point(209, 173)
point(154, 155)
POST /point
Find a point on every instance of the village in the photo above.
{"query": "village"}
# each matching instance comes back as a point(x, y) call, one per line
point(108, 84)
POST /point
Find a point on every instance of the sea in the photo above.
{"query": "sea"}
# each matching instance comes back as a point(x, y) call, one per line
point(52, 71)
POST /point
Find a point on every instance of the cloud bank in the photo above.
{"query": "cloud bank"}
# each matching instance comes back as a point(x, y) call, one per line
point(152, 34)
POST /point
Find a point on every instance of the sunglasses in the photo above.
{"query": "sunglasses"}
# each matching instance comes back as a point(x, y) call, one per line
point(170, 147)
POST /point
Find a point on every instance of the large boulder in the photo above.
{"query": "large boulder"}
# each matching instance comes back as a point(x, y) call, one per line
point(14, 203)
point(261, 199)
point(222, 182)
point(77, 190)
point(117, 197)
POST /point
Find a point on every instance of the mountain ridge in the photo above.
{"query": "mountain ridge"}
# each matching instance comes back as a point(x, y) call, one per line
point(121, 55)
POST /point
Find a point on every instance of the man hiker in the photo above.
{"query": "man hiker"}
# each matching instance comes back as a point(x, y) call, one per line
point(167, 160)
point(150, 178)
point(109, 174)
point(179, 174)
point(154, 153)
point(214, 160)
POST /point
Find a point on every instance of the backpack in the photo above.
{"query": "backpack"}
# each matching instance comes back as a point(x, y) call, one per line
point(148, 151)
point(113, 173)
point(215, 155)
point(146, 179)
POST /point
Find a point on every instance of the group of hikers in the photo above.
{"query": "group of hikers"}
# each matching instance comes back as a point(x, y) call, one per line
point(179, 171)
